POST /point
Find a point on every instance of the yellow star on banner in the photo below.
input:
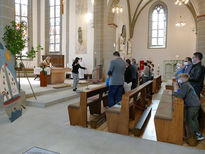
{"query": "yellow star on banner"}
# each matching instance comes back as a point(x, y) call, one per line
point(8, 56)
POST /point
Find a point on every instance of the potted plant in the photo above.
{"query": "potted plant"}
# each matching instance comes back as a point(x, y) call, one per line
point(43, 74)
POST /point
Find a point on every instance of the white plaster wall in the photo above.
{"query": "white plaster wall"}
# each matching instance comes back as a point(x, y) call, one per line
point(88, 57)
point(180, 41)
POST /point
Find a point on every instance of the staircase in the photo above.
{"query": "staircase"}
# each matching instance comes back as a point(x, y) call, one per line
point(51, 97)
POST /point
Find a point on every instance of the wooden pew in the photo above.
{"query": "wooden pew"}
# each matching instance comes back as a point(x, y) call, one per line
point(121, 118)
point(169, 119)
point(89, 98)
point(202, 114)
point(157, 81)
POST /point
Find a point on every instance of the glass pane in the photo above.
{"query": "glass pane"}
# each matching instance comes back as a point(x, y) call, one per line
point(25, 20)
point(57, 11)
point(161, 17)
point(161, 11)
point(161, 25)
point(154, 33)
point(52, 2)
point(24, 10)
point(17, 1)
point(52, 30)
point(155, 12)
point(154, 41)
point(57, 29)
point(154, 17)
point(52, 11)
point(161, 33)
point(17, 9)
point(24, 2)
point(52, 21)
point(57, 2)
point(24, 52)
point(58, 21)
point(51, 48)
point(57, 47)
point(160, 41)
point(17, 19)
point(52, 39)
point(57, 38)
point(154, 25)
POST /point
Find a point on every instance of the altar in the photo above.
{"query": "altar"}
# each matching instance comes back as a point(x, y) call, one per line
point(57, 75)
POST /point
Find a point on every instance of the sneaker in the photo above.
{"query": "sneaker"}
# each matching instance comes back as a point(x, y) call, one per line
point(199, 136)
point(74, 89)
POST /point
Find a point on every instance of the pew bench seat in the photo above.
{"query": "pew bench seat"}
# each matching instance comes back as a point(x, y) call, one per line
point(169, 119)
point(114, 109)
point(165, 109)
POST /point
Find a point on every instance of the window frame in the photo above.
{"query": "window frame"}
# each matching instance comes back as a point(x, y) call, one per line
point(29, 23)
point(49, 26)
point(150, 29)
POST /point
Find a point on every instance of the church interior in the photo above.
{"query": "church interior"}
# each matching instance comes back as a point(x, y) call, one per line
point(58, 59)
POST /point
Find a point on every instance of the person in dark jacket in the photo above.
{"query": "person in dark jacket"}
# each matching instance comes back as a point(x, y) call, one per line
point(75, 72)
point(196, 75)
point(128, 72)
point(191, 105)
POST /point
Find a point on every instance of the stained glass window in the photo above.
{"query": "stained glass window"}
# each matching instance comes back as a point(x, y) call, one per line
point(55, 25)
point(21, 14)
point(158, 27)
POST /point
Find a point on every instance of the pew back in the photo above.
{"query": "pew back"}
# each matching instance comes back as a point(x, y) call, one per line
point(118, 119)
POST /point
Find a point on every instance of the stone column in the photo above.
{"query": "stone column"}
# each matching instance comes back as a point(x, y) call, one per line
point(98, 31)
point(201, 28)
point(6, 14)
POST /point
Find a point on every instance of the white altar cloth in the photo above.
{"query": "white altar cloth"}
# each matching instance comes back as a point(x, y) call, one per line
point(37, 70)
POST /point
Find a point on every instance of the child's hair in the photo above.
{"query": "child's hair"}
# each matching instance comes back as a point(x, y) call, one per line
point(184, 76)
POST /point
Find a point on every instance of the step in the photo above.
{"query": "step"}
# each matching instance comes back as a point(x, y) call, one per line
point(52, 98)
point(46, 91)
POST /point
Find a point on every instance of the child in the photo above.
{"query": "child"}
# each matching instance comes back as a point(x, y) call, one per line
point(191, 104)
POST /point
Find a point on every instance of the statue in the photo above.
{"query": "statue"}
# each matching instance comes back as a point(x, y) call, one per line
point(80, 35)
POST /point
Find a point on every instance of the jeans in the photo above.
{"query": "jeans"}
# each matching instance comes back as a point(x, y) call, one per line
point(75, 80)
point(191, 116)
point(115, 94)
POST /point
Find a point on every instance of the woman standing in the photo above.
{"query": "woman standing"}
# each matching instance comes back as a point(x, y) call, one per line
point(75, 72)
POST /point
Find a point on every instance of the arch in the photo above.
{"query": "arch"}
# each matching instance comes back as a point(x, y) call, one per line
point(158, 28)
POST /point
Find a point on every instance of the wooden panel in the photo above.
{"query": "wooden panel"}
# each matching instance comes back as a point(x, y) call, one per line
point(56, 60)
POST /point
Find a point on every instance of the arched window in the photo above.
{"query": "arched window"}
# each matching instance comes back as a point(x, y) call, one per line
point(158, 25)
point(23, 13)
point(55, 26)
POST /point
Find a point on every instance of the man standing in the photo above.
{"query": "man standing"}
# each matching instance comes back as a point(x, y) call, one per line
point(116, 73)
point(134, 74)
point(187, 65)
point(196, 75)
point(146, 73)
